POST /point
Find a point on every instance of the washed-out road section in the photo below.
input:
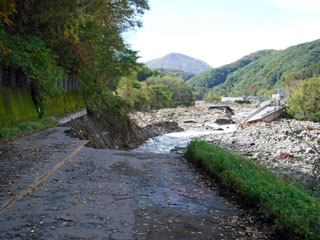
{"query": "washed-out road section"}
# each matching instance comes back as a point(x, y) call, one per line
point(105, 194)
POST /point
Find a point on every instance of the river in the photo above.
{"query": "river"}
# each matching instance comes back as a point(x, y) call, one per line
point(167, 142)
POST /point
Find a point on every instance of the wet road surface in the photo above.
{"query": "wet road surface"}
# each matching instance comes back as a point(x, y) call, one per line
point(106, 194)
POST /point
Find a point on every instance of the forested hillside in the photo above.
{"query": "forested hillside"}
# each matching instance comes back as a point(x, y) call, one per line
point(179, 73)
point(262, 73)
point(179, 61)
point(219, 75)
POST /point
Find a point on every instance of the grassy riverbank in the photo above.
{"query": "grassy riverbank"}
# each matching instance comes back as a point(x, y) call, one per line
point(26, 128)
point(293, 210)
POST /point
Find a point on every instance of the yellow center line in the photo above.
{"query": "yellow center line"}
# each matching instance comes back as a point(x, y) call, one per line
point(7, 204)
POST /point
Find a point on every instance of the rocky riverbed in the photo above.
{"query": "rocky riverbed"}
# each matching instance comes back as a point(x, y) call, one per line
point(285, 146)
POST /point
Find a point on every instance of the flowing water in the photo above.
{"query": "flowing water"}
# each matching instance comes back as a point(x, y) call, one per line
point(165, 143)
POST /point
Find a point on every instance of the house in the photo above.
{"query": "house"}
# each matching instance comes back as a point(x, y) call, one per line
point(231, 99)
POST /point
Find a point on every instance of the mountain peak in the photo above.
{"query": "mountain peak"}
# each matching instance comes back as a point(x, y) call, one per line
point(179, 61)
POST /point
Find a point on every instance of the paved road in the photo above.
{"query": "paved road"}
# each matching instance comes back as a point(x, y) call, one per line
point(105, 194)
point(71, 116)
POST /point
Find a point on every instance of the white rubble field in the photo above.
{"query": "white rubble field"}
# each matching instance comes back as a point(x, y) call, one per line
point(299, 140)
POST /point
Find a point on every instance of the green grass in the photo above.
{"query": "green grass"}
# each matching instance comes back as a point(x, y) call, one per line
point(26, 128)
point(293, 210)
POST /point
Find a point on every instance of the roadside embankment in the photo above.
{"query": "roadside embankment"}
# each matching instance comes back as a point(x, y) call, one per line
point(100, 137)
point(294, 211)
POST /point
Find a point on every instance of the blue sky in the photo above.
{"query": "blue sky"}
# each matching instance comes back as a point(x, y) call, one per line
point(222, 31)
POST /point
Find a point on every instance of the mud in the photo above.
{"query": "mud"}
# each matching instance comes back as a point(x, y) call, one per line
point(110, 194)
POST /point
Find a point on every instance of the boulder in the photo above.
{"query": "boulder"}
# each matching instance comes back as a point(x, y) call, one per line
point(258, 155)
point(224, 121)
point(310, 151)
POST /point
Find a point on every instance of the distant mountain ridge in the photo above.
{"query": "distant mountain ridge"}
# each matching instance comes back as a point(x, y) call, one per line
point(216, 76)
point(260, 72)
point(179, 61)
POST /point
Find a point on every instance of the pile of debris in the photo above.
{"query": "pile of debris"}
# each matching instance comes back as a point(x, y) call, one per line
point(284, 146)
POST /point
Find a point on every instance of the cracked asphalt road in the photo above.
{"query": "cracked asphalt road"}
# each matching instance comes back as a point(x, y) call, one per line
point(107, 194)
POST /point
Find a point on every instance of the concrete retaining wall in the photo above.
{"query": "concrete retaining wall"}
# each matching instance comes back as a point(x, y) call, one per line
point(17, 105)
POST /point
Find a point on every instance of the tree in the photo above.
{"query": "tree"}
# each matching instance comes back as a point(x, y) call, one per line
point(200, 92)
point(160, 96)
point(73, 29)
point(81, 38)
point(304, 101)
point(144, 73)
point(212, 96)
point(7, 7)
point(182, 94)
